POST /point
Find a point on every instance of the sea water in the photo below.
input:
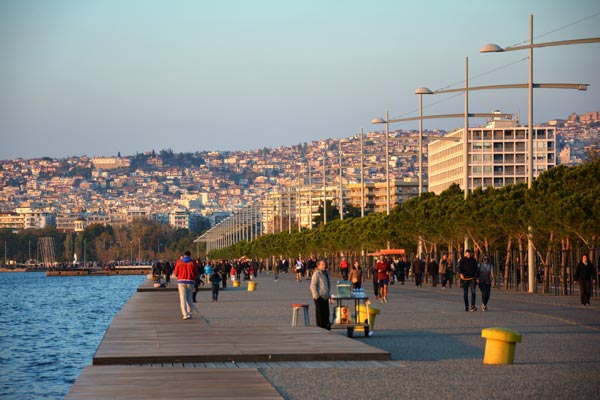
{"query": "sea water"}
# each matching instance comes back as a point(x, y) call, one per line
point(50, 328)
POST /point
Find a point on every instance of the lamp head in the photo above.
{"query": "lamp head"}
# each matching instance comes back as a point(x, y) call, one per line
point(378, 121)
point(491, 48)
point(423, 90)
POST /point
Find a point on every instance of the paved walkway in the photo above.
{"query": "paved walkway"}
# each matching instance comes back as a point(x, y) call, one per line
point(435, 346)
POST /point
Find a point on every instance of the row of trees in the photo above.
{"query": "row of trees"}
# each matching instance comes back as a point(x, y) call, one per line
point(563, 206)
point(142, 241)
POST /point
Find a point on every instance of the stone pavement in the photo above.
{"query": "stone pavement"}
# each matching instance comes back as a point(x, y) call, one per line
point(436, 347)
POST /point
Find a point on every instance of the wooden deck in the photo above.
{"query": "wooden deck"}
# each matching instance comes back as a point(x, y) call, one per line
point(150, 329)
point(119, 382)
point(150, 352)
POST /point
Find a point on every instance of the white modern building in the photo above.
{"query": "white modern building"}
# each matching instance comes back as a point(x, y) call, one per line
point(497, 156)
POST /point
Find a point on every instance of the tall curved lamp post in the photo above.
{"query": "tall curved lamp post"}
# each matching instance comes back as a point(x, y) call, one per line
point(494, 48)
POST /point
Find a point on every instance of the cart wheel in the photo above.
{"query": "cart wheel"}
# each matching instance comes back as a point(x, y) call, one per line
point(350, 332)
point(366, 331)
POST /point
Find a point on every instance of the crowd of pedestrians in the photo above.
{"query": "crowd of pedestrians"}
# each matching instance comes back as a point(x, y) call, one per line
point(385, 270)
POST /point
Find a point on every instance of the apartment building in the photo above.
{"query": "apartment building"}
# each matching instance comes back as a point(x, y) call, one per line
point(497, 156)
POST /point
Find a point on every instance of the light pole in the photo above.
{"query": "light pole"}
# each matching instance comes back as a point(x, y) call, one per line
point(494, 48)
point(421, 91)
point(386, 121)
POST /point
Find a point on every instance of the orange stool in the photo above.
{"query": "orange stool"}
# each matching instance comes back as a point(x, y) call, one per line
point(295, 310)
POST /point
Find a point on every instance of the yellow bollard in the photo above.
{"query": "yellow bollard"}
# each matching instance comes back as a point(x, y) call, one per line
point(236, 283)
point(500, 345)
point(251, 286)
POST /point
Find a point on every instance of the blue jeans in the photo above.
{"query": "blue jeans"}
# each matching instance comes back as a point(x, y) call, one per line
point(485, 288)
point(466, 285)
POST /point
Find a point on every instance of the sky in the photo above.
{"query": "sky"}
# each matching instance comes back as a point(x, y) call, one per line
point(109, 77)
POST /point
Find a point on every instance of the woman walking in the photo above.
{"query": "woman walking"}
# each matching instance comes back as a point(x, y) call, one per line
point(584, 276)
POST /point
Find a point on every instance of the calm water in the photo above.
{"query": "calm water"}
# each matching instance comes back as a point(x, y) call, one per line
point(50, 328)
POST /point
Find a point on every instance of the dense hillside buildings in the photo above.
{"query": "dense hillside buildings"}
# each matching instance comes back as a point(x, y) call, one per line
point(284, 185)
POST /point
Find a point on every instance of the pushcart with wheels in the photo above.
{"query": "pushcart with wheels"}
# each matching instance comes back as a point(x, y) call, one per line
point(343, 318)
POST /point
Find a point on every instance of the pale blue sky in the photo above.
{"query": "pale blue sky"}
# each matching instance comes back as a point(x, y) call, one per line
point(101, 77)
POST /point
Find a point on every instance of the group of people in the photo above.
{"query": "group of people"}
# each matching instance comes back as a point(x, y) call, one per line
point(472, 274)
point(161, 273)
point(441, 272)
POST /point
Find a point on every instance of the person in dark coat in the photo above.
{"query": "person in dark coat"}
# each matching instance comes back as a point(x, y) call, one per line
point(433, 268)
point(417, 268)
point(468, 272)
point(584, 276)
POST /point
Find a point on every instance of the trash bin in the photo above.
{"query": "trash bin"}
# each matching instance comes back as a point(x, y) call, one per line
point(361, 316)
point(236, 283)
point(251, 286)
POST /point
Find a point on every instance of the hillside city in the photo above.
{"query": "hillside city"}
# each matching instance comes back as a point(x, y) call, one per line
point(197, 190)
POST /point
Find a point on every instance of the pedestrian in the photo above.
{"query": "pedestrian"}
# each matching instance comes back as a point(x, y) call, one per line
point(486, 280)
point(215, 281)
point(356, 275)
point(433, 268)
point(299, 267)
point(449, 275)
point(383, 278)
point(467, 270)
point(584, 276)
point(344, 268)
point(208, 271)
point(320, 288)
point(186, 271)
point(276, 269)
point(401, 269)
point(417, 268)
point(168, 268)
point(374, 278)
point(223, 269)
point(443, 270)
point(311, 264)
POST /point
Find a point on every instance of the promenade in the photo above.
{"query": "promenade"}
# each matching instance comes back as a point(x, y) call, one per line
point(424, 346)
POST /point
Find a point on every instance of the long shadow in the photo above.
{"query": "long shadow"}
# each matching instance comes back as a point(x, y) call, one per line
point(418, 345)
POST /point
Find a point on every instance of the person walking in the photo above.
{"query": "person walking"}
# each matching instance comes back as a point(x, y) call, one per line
point(186, 271)
point(344, 268)
point(467, 270)
point(486, 280)
point(433, 268)
point(356, 276)
point(320, 289)
point(299, 270)
point(584, 276)
point(402, 268)
point(383, 278)
point(215, 281)
point(443, 270)
point(417, 268)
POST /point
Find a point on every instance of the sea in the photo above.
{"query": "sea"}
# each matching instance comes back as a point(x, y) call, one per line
point(50, 328)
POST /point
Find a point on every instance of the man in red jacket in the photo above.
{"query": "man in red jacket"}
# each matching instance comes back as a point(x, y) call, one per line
point(186, 271)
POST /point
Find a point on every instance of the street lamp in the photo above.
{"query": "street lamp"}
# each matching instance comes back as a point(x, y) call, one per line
point(387, 155)
point(494, 48)
point(421, 91)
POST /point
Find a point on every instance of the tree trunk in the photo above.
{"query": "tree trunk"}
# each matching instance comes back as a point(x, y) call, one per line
point(563, 263)
point(508, 263)
point(520, 277)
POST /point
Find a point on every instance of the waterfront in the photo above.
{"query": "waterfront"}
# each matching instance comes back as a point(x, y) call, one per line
point(50, 328)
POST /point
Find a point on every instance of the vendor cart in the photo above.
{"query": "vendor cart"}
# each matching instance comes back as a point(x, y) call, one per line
point(344, 318)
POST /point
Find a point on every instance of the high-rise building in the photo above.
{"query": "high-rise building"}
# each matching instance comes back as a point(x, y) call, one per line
point(497, 156)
